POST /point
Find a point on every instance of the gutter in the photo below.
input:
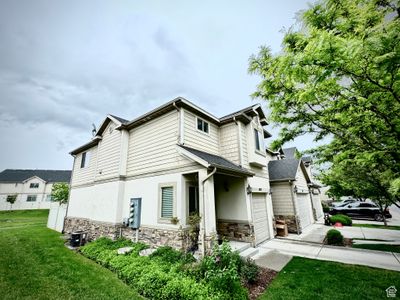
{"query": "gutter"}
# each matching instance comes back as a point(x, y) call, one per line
point(203, 221)
point(294, 206)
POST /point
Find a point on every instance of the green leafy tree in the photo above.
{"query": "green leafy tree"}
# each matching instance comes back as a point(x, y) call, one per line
point(59, 192)
point(338, 78)
point(11, 199)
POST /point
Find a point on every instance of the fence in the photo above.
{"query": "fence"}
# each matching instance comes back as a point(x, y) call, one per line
point(56, 216)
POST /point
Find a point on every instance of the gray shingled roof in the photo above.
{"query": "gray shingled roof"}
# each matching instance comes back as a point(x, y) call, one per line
point(122, 120)
point(218, 161)
point(283, 169)
point(17, 175)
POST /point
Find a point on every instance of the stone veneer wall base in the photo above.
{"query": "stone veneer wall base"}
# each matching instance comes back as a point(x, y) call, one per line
point(154, 237)
point(240, 231)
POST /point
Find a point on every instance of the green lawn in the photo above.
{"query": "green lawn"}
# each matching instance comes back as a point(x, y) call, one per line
point(380, 247)
point(392, 227)
point(306, 278)
point(35, 264)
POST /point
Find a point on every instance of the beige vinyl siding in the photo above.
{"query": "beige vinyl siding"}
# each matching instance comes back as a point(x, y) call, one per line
point(84, 175)
point(152, 146)
point(281, 199)
point(197, 139)
point(229, 143)
point(109, 153)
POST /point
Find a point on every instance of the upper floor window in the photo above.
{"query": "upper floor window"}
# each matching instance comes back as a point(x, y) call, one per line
point(34, 185)
point(259, 140)
point(85, 159)
point(31, 198)
point(202, 125)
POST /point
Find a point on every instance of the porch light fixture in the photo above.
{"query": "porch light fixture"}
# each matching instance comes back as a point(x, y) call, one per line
point(270, 191)
point(249, 189)
point(295, 189)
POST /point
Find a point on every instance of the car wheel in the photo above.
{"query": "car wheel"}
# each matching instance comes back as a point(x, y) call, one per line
point(378, 217)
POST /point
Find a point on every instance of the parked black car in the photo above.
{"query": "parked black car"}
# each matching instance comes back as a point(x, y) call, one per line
point(360, 210)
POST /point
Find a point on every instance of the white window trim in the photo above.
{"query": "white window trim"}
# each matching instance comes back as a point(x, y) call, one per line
point(160, 186)
point(203, 132)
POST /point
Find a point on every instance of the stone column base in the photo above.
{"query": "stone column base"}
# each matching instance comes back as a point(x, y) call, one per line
point(291, 222)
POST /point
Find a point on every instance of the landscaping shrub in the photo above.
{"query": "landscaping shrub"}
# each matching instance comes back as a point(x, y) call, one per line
point(170, 255)
point(171, 274)
point(249, 271)
point(345, 220)
point(334, 237)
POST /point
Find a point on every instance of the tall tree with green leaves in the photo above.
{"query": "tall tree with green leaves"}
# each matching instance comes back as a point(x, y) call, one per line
point(338, 78)
point(60, 192)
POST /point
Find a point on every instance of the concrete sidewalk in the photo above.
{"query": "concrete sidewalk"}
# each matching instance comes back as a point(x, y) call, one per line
point(289, 248)
point(316, 233)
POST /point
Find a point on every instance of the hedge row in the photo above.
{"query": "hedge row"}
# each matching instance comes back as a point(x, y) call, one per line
point(171, 274)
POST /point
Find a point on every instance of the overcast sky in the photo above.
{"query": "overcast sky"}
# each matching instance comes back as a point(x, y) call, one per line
point(66, 64)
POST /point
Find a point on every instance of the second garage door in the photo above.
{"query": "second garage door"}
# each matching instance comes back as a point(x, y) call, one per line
point(260, 218)
point(304, 210)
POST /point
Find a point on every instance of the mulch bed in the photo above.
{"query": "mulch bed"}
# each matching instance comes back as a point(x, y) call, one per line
point(264, 279)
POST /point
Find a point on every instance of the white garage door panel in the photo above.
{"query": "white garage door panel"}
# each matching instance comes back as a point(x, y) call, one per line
point(260, 219)
point(304, 210)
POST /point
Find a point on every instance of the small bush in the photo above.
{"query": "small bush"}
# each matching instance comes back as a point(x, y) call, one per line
point(345, 220)
point(170, 255)
point(334, 237)
point(249, 271)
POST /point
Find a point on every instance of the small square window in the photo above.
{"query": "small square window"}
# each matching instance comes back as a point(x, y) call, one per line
point(34, 185)
point(85, 160)
point(31, 198)
point(49, 198)
point(202, 125)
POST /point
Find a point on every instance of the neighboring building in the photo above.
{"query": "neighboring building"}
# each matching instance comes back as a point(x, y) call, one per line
point(295, 197)
point(32, 188)
point(179, 159)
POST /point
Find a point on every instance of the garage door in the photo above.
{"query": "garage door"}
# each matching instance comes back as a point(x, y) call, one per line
point(318, 206)
point(260, 219)
point(304, 209)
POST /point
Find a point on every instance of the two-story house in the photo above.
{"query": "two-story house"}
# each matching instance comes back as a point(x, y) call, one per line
point(31, 189)
point(179, 159)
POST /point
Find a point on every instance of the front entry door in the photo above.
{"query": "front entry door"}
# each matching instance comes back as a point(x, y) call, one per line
point(193, 192)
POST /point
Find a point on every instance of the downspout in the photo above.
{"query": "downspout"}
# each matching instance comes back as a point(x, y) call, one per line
point(294, 206)
point(203, 221)
point(239, 140)
point(180, 124)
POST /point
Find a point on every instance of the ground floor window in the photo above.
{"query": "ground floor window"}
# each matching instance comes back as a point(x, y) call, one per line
point(167, 202)
point(31, 198)
point(49, 198)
